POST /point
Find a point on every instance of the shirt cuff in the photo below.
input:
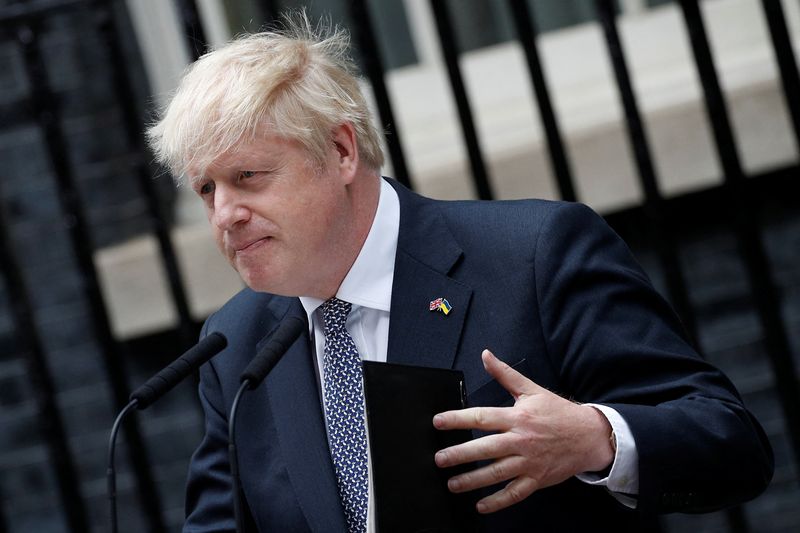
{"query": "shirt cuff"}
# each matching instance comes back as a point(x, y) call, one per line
point(622, 481)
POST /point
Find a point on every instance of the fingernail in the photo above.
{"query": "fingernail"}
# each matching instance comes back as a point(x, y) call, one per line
point(440, 458)
point(481, 507)
point(453, 484)
point(438, 421)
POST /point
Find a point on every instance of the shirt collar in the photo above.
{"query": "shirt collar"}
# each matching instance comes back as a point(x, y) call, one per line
point(369, 281)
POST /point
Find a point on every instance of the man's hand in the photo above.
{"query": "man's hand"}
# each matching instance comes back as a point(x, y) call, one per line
point(541, 441)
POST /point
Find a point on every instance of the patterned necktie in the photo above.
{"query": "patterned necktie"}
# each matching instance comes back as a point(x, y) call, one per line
point(344, 407)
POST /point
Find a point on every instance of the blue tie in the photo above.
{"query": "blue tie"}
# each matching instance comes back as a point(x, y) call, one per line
point(344, 408)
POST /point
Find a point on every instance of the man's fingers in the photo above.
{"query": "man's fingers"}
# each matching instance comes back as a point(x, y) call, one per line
point(488, 447)
point(496, 472)
point(514, 492)
point(534, 446)
point(510, 379)
point(483, 418)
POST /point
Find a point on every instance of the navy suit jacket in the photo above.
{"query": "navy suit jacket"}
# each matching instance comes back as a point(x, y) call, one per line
point(554, 292)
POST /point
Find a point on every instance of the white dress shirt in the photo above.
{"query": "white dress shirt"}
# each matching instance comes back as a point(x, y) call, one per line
point(368, 286)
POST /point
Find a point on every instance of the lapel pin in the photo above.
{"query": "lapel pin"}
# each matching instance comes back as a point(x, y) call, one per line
point(441, 304)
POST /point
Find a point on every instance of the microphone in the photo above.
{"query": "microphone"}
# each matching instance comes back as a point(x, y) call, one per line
point(268, 357)
point(287, 332)
point(152, 390)
point(178, 370)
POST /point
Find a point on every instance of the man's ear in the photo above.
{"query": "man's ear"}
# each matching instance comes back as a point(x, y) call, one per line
point(346, 144)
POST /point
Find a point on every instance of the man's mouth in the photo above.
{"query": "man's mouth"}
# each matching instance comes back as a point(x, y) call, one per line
point(250, 245)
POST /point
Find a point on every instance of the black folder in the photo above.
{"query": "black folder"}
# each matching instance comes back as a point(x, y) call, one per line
point(410, 491)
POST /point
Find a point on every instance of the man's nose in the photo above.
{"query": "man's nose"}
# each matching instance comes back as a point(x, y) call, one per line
point(229, 208)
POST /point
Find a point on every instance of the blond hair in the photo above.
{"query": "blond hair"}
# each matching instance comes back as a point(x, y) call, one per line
point(298, 83)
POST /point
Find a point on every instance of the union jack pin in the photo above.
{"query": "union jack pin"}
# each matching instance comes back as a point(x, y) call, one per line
point(441, 304)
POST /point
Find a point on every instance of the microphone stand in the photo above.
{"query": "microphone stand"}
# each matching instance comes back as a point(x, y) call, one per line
point(233, 457)
point(287, 332)
point(152, 390)
point(111, 476)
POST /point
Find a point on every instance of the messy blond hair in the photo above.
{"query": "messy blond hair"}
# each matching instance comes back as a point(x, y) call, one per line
point(298, 83)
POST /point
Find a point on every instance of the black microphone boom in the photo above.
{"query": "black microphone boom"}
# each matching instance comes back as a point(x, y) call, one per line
point(152, 390)
point(287, 332)
point(262, 363)
point(178, 370)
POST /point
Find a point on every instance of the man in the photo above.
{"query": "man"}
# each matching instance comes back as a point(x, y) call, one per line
point(275, 137)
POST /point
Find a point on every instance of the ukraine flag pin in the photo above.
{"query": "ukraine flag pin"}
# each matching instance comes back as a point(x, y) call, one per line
point(441, 304)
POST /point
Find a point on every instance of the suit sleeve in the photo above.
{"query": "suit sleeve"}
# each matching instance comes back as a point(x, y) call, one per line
point(613, 340)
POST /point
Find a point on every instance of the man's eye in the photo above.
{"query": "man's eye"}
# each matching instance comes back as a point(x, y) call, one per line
point(206, 188)
point(247, 174)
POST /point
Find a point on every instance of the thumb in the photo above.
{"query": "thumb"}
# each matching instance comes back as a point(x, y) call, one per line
point(511, 380)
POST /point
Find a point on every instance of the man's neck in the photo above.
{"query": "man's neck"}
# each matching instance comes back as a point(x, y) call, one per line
point(364, 194)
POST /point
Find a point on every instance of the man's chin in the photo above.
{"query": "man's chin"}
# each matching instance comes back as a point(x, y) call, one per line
point(261, 283)
point(258, 285)
point(283, 282)
point(256, 281)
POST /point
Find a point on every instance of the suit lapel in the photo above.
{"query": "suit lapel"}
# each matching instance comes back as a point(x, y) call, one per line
point(295, 405)
point(426, 253)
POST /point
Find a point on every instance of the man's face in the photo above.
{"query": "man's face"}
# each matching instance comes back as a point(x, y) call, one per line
point(277, 219)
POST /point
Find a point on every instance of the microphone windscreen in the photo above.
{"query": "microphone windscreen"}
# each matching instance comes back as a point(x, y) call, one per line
point(178, 370)
point(276, 346)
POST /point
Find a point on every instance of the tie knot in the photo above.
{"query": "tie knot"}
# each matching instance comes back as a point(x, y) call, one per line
point(334, 314)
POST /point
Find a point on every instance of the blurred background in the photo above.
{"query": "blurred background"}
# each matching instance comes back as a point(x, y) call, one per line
point(679, 121)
